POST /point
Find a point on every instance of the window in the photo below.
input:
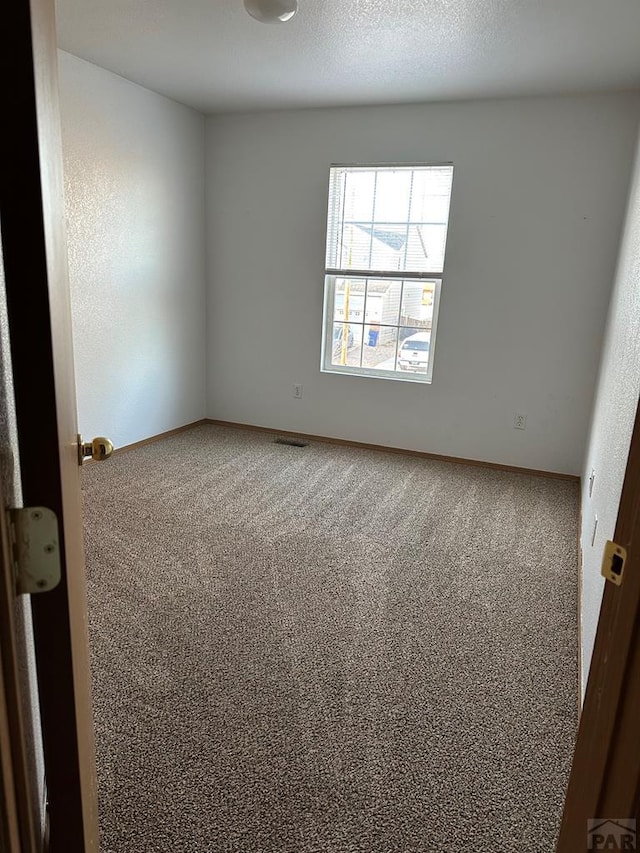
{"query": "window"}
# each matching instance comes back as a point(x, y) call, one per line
point(386, 236)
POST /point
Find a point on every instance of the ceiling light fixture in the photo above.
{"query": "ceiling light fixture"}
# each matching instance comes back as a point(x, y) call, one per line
point(271, 11)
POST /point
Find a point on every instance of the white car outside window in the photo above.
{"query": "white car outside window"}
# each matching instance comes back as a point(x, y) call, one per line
point(414, 353)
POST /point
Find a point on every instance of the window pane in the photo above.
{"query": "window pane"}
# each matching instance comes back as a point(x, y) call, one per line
point(388, 247)
point(383, 301)
point(418, 298)
point(379, 350)
point(355, 247)
point(425, 248)
point(346, 344)
point(413, 350)
point(430, 194)
point(392, 196)
point(388, 218)
point(358, 198)
point(351, 293)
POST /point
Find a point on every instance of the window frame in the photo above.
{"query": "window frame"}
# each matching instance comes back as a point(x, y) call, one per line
point(349, 370)
point(328, 313)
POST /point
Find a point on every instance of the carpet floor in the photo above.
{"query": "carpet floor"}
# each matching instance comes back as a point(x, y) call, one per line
point(328, 650)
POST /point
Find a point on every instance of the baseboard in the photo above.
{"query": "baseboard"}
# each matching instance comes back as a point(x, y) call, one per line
point(152, 439)
point(579, 598)
point(514, 469)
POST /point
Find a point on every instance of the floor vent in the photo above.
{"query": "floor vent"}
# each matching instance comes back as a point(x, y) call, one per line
point(292, 442)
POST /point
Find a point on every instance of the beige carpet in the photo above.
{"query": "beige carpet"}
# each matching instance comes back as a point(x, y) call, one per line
point(328, 650)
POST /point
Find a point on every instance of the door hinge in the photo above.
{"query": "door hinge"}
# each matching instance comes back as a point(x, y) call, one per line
point(35, 549)
point(613, 562)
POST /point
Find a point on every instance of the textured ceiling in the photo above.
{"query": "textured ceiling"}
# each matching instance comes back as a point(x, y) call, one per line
point(212, 55)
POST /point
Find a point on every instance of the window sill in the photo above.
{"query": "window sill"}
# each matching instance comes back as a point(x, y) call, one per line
point(372, 374)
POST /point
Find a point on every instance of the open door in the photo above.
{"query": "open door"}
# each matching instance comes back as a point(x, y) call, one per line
point(605, 775)
point(35, 265)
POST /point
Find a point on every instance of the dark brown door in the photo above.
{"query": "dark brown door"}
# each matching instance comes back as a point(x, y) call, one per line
point(35, 266)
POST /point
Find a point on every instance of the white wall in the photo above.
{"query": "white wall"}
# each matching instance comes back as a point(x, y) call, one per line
point(134, 175)
point(613, 417)
point(537, 207)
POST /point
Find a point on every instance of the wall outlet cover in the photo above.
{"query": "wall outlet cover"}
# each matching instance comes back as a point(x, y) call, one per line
point(519, 420)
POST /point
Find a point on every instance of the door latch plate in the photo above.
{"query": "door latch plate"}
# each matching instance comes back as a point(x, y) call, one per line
point(35, 549)
point(613, 562)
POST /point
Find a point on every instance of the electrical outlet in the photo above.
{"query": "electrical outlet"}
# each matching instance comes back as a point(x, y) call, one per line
point(592, 479)
point(519, 420)
point(593, 532)
point(297, 391)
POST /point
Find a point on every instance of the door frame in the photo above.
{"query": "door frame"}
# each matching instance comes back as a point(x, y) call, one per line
point(18, 817)
point(10, 834)
point(605, 772)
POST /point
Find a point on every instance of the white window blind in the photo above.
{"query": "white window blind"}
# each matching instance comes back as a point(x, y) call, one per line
point(388, 219)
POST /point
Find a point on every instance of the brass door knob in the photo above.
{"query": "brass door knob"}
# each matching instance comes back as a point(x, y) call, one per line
point(99, 449)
